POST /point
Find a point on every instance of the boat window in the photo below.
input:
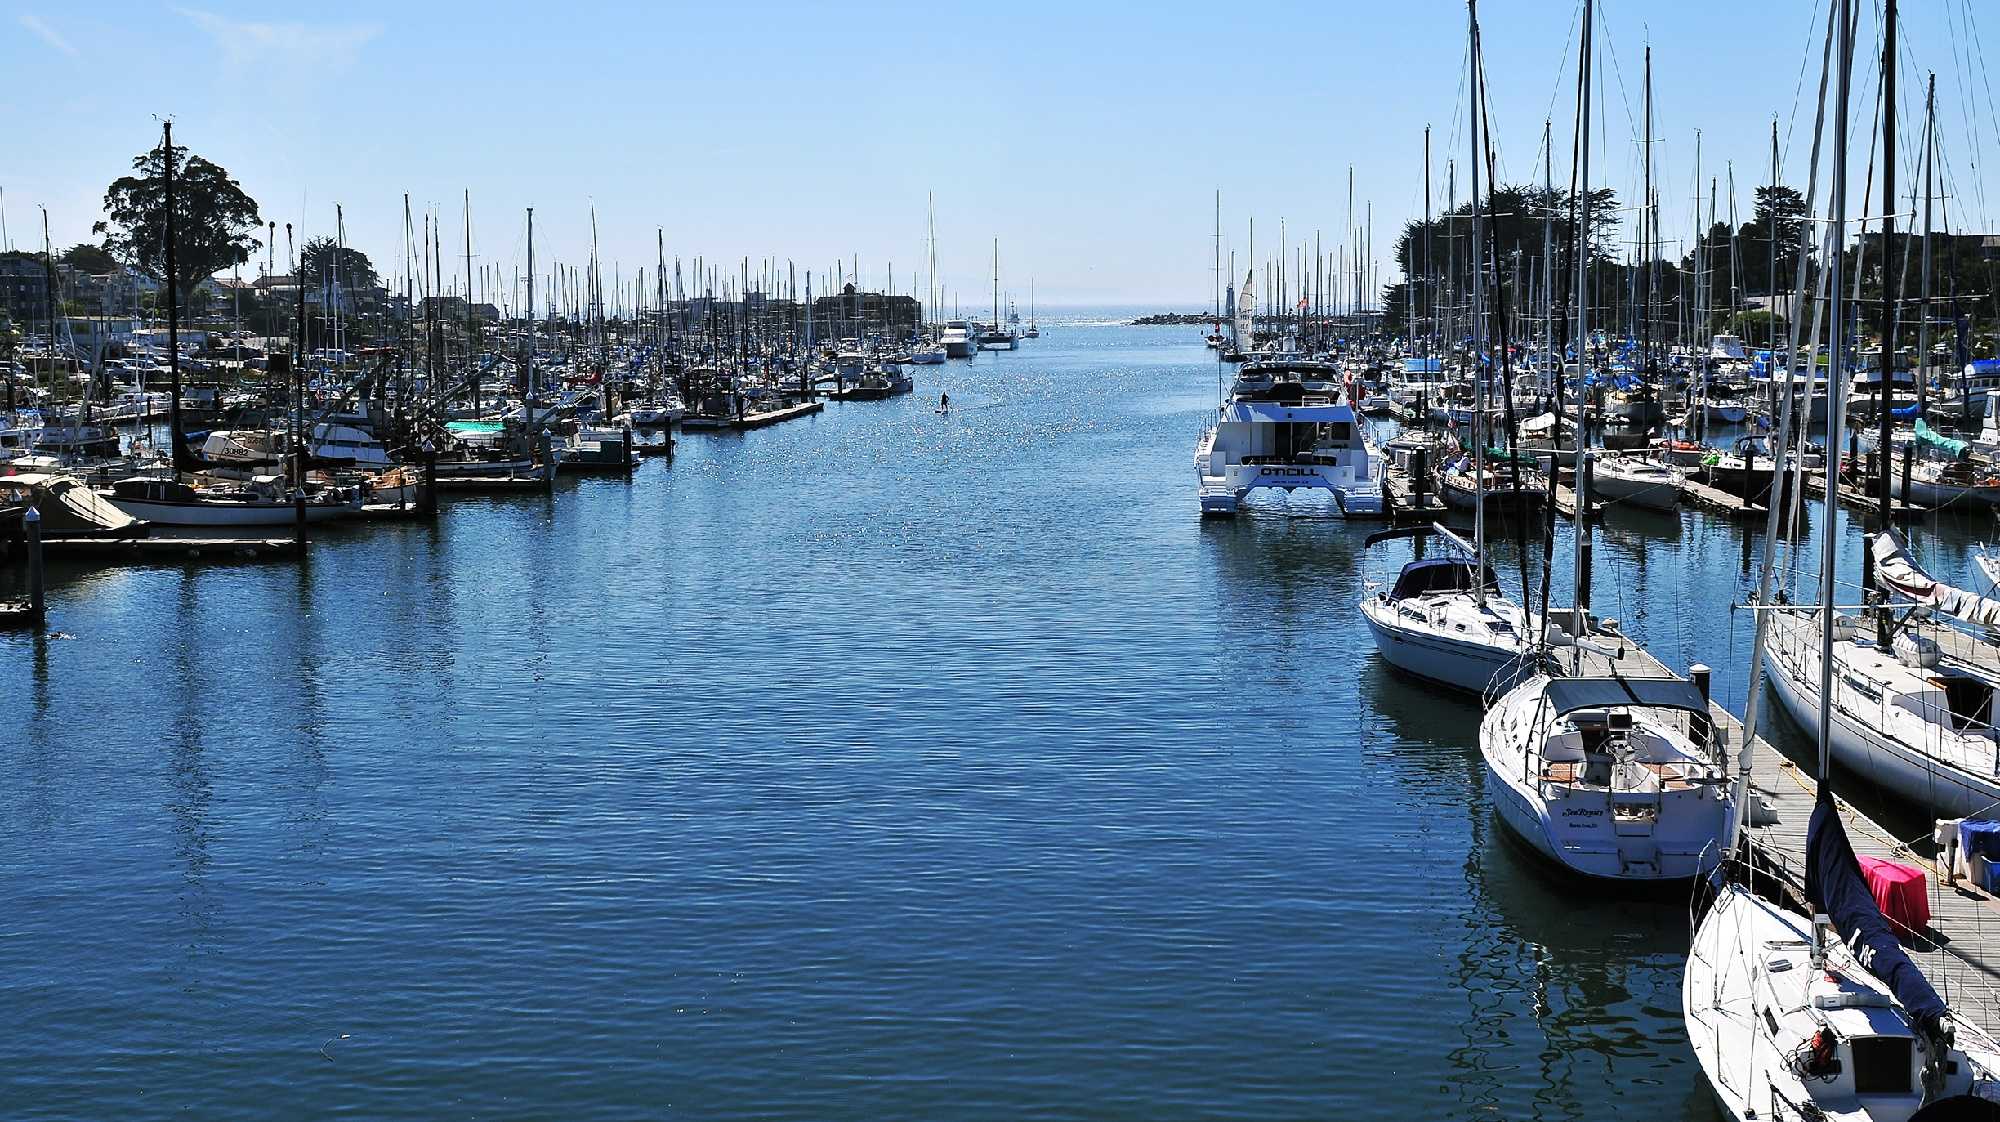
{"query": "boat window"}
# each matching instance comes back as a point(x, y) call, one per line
point(1339, 432)
point(1881, 1065)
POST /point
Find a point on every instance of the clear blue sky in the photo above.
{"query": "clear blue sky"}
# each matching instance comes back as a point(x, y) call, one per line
point(1087, 137)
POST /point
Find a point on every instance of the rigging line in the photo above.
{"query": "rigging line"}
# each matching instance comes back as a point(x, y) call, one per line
point(1798, 89)
point(1562, 67)
point(1624, 97)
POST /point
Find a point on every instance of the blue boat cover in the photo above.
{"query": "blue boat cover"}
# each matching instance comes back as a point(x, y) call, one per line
point(1834, 886)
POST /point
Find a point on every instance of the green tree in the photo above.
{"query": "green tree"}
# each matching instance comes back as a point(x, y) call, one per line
point(87, 258)
point(324, 262)
point(1785, 209)
point(214, 220)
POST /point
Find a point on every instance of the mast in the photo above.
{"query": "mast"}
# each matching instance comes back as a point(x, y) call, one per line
point(1478, 308)
point(528, 374)
point(471, 321)
point(1924, 279)
point(1583, 253)
point(180, 455)
point(1430, 272)
point(1892, 291)
point(1836, 383)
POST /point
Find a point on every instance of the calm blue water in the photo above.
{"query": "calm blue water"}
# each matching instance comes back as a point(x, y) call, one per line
point(881, 764)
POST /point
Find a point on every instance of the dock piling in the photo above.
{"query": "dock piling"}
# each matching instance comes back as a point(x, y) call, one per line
point(31, 521)
point(430, 491)
point(299, 520)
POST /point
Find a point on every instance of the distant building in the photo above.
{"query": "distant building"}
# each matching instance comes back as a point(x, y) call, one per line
point(852, 311)
point(24, 287)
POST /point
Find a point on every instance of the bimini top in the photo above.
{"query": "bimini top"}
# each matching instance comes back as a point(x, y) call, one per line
point(1568, 695)
point(1439, 574)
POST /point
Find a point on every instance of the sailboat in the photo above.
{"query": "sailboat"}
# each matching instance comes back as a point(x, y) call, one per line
point(1033, 332)
point(1611, 777)
point(1445, 620)
point(1824, 1016)
point(997, 336)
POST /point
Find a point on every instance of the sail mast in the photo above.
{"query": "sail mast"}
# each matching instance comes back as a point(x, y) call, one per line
point(1478, 308)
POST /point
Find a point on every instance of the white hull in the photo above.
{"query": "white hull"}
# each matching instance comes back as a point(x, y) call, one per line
point(1578, 833)
point(1629, 492)
point(1479, 668)
point(1860, 747)
point(227, 513)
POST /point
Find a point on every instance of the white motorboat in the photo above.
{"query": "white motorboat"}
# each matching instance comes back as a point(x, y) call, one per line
point(957, 339)
point(343, 442)
point(249, 450)
point(1287, 427)
point(1438, 623)
point(264, 502)
point(1614, 778)
point(653, 414)
point(1636, 481)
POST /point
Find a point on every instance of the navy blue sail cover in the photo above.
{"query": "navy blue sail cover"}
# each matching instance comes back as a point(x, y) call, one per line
point(1834, 886)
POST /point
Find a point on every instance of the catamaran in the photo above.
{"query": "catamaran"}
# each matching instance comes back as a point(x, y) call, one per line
point(1288, 425)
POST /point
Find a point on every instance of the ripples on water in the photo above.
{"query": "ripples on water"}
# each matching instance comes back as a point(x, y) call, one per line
point(882, 764)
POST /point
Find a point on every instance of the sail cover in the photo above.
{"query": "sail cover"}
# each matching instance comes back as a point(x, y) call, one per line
point(1246, 311)
point(1834, 886)
point(1896, 572)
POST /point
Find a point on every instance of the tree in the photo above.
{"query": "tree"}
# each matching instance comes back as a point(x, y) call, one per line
point(86, 258)
point(213, 219)
point(1786, 209)
point(324, 262)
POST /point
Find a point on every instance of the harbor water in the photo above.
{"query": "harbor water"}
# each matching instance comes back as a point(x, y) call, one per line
point(884, 763)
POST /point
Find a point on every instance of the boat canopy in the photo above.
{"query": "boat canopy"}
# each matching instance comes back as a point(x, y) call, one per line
point(1897, 572)
point(1931, 438)
point(1568, 695)
point(1834, 886)
point(1423, 366)
point(1439, 574)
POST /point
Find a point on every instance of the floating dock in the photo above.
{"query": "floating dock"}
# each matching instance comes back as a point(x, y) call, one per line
point(169, 548)
point(1959, 953)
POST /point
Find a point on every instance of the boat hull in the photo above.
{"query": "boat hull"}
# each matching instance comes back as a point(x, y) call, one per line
point(1944, 791)
point(1476, 668)
point(227, 513)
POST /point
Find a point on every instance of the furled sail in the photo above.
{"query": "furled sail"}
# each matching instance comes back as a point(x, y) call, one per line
point(1896, 572)
point(1834, 886)
point(1246, 313)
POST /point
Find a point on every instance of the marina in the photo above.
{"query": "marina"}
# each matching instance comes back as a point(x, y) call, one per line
point(568, 619)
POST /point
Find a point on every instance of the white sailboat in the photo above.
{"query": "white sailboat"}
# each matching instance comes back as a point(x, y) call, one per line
point(1823, 1017)
point(1446, 621)
point(1615, 778)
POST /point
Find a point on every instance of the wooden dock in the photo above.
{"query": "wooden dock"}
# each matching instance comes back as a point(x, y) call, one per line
point(165, 548)
point(1960, 953)
point(782, 413)
point(487, 484)
point(1862, 500)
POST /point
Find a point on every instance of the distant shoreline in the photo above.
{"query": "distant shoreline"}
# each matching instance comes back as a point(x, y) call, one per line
point(1173, 319)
